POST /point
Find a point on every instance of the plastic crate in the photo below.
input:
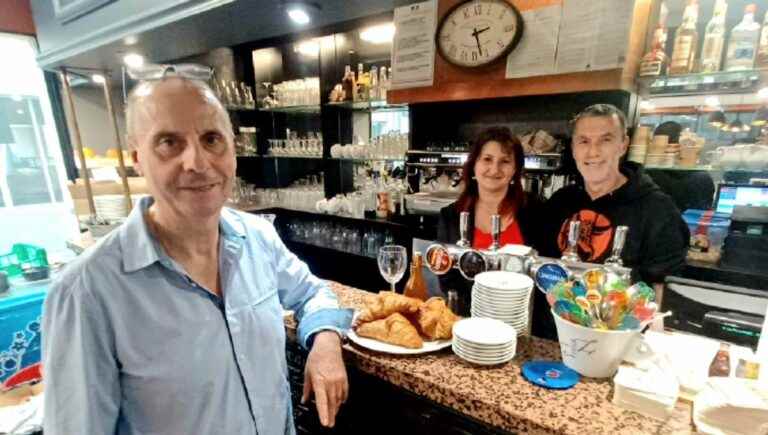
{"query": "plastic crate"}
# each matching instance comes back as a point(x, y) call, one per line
point(22, 256)
point(20, 335)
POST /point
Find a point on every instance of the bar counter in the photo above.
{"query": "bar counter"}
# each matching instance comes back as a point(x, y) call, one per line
point(499, 396)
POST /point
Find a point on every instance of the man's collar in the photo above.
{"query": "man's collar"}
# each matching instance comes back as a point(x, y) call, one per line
point(141, 248)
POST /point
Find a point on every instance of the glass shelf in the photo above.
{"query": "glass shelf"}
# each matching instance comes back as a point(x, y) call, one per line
point(342, 159)
point(295, 157)
point(711, 83)
point(374, 105)
point(310, 109)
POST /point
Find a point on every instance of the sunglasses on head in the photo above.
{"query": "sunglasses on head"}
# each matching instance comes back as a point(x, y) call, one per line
point(158, 72)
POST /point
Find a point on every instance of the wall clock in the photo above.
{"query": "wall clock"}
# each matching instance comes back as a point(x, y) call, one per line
point(476, 33)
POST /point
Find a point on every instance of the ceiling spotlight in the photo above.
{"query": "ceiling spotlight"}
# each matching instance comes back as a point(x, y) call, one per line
point(717, 119)
point(133, 60)
point(761, 117)
point(298, 15)
point(736, 126)
point(98, 78)
point(379, 34)
point(763, 93)
point(130, 40)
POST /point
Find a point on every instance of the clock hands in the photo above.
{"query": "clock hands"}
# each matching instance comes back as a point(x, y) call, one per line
point(476, 33)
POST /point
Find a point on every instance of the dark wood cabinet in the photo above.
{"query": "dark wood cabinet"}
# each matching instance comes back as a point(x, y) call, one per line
point(377, 407)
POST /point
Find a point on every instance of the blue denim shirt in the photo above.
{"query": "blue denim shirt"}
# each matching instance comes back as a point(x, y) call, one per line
point(132, 345)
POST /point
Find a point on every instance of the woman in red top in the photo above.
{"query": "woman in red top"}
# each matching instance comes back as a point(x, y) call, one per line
point(492, 178)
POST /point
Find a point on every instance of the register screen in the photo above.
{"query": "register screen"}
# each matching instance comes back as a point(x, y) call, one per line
point(731, 196)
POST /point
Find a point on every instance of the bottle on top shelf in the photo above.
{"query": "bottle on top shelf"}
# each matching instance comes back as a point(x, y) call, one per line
point(686, 41)
point(762, 50)
point(375, 88)
point(654, 63)
point(742, 46)
point(714, 39)
point(383, 83)
point(348, 84)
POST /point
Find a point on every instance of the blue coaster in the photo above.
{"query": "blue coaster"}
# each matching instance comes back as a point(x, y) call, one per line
point(550, 374)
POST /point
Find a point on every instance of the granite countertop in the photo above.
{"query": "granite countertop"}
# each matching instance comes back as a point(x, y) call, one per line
point(499, 395)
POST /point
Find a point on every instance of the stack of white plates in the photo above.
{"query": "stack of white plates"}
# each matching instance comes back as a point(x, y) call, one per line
point(504, 296)
point(112, 207)
point(484, 341)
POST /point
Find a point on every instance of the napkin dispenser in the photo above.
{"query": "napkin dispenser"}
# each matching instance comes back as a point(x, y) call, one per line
point(441, 258)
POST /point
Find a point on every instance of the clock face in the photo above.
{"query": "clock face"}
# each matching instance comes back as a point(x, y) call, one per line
point(478, 32)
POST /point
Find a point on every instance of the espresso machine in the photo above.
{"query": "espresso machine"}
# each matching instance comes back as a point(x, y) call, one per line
point(545, 271)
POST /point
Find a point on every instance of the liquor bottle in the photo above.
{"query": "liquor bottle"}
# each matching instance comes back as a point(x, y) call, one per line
point(686, 41)
point(654, 63)
point(383, 83)
point(762, 49)
point(721, 363)
point(375, 94)
point(416, 287)
point(361, 87)
point(714, 39)
point(348, 84)
point(742, 47)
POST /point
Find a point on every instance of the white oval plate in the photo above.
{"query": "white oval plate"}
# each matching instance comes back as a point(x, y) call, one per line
point(502, 280)
point(484, 331)
point(380, 346)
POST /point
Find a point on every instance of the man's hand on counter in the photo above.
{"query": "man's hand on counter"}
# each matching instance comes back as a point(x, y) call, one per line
point(326, 376)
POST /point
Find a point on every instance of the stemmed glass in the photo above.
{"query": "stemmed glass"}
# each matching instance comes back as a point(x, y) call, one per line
point(392, 262)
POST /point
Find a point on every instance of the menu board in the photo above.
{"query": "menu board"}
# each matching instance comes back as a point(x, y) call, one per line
point(413, 48)
point(594, 35)
point(535, 54)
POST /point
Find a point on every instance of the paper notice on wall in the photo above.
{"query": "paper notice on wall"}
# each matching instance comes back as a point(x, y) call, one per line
point(413, 48)
point(535, 54)
point(594, 35)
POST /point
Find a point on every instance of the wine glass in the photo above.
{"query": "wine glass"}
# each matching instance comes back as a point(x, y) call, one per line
point(392, 262)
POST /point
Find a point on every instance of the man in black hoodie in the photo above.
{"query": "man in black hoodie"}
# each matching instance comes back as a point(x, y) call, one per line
point(612, 193)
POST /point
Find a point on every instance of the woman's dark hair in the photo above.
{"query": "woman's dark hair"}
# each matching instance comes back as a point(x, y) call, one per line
point(515, 197)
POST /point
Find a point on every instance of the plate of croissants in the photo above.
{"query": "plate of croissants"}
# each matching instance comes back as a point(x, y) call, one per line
point(397, 324)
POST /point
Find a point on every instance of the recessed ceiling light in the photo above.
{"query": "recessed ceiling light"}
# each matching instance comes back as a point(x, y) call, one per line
point(298, 15)
point(98, 78)
point(763, 93)
point(647, 105)
point(712, 101)
point(130, 40)
point(379, 34)
point(133, 60)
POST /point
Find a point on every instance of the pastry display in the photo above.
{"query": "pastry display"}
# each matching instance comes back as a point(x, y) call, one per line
point(387, 303)
point(400, 320)
point(395, 329)
point(435, 319)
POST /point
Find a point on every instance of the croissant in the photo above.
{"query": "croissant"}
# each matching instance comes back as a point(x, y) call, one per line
point(395, 329)
point(435, 319)
point(387, 303)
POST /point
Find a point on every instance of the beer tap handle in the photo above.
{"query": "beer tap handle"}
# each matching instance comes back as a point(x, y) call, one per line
point(495, 232)
point(463, 230)
point(619, 239)
point(571, 253)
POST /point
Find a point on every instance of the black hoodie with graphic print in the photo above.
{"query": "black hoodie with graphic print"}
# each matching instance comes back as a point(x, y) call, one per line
point(656, 243)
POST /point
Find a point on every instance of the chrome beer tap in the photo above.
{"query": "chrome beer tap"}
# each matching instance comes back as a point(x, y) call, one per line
point(619, 238)
point(571, 253)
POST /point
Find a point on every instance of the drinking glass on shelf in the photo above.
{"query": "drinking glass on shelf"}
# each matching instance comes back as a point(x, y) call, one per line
point(392, 262)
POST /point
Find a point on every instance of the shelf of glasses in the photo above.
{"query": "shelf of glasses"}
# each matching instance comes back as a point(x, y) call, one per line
point(293, 157)
point(711, 83)
point(369, 160)
point(309, 109)
point(374, 105)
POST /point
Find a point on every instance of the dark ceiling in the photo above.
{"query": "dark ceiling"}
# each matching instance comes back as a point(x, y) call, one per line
point(243, 21)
